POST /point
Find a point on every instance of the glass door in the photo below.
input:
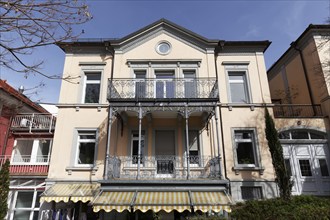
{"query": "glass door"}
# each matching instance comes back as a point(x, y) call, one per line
point(165, 87)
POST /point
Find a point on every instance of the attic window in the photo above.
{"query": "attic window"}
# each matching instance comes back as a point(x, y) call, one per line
point(163, 48)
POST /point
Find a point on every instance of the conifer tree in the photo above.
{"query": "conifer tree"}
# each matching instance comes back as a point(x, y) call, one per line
point(282, 178)
point(4, 189)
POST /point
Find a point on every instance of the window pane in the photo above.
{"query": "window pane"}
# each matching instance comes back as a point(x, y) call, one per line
point(238, 87)
point(190, 84)
point(245, 153)
point(24, 200)
point(324, 167)
point(93, 76)
point(86, 136)
point(35, 215)
point(316, 136)
point(23, 151)
point(251, 193)
point(284, 135)
point(239, 78)
point(43, 150)
point(37, 205)
point(299, 135)
point(86, 153)
point(305, 168)
point(135, 150)
point(92, 93)
point(22, 215)
point(288, 167)
point(237, 92)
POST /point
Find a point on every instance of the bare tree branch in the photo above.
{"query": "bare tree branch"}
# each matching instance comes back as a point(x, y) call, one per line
point(29, 24)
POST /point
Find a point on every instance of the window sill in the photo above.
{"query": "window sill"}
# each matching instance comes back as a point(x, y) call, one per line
point(239, 169)
point(78, 169)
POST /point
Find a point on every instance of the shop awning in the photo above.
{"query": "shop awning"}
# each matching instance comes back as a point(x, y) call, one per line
point(109, 201)
point(167, 201)
point(67, 191)
point(215, 201)
point(156, 201)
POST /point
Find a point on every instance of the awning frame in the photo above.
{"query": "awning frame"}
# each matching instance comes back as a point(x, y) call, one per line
point(192, 204)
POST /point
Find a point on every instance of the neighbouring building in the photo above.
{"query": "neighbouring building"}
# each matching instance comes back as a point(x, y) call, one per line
point(26, 133)
point(160, 122)
point(300, 89)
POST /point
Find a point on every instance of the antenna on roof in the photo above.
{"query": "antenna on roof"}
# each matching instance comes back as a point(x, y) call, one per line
point(21, 89)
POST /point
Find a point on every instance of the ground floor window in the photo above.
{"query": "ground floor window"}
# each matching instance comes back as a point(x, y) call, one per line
point(251, 192)
point(25, 205)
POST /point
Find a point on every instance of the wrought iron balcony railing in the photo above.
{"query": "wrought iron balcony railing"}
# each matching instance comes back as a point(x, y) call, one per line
point(297, 111)
point(34, 122)
point(178, 88)
point(160, 167)
point(25, 166)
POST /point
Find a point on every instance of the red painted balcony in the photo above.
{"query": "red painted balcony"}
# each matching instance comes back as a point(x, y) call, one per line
point(26, 165)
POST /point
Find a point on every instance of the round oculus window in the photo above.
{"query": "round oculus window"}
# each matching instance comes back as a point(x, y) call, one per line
point(163, 48)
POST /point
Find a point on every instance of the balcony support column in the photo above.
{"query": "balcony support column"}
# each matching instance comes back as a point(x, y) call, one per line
point(139, 146)
point(186, 115)
point(218, 140)
point(107, 151)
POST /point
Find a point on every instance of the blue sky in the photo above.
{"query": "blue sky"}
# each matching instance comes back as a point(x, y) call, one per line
point(278, 21)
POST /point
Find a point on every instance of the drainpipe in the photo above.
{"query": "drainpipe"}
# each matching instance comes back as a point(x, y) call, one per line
point(294, 46)
point(107, 150)
point(110, 114)
point(221, 44)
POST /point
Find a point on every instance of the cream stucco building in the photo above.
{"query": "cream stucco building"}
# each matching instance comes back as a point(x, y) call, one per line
point(160, 121)
point(300, 88)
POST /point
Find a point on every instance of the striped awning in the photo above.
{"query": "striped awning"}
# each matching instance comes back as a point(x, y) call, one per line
point(215, 201)
point(67, 191)
point(109, 201)
point(167, 201)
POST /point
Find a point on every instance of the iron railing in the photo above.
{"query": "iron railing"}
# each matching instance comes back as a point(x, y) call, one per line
point(26, 166)
point(297, 111)
point(160, 167)
point(144, 89)
point(34, 122)
point(29, 159)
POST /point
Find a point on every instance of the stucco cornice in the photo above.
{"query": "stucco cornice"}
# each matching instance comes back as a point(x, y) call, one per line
point(308, 35)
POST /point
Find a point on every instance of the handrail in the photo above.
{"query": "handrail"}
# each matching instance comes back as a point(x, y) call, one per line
point(34, 121)
point(168, 88)
point(297, 111)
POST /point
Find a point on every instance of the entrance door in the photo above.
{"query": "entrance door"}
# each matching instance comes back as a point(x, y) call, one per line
point(165, 151)
point(308, 166)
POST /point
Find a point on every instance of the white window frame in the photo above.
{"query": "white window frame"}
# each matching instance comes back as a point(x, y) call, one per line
point(194, 80)
point(255, 147)
point(137, 139)
point(252, 188)
point(86, 131)
point(135, 70)
point(198, 146)
point(33, 155)
point(243, 69)
point(169, 70)
point(31, 209)
point(85, 82)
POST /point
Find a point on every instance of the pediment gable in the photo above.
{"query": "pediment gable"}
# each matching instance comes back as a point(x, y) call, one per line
point(164, 27)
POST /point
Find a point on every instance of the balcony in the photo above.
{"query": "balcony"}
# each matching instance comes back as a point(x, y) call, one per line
point(297, 111)
point(26, 166)
point(34, 123)
point(174, 89)
point(163, 167)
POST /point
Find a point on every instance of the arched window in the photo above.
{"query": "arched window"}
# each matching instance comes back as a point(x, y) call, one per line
point(301, 135)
